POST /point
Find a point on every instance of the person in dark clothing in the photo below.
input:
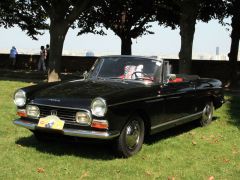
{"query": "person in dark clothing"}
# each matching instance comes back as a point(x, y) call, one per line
point(42, 59)
point(13, 56)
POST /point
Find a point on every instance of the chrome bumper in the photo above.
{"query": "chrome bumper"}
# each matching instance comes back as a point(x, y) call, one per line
point(70, 132)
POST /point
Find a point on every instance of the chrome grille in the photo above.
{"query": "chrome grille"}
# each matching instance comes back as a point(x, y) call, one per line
point(67, 115)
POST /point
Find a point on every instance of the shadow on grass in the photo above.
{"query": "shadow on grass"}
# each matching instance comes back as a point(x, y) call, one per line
point(174, 131)
point(22, 76)
point(33, 76)
point(90, 149)
point(234, 107)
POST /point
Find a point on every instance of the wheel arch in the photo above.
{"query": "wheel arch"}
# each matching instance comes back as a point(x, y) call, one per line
point(146, 119)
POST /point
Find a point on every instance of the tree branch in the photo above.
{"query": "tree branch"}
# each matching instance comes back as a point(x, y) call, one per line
point(135, 32)
point(47, 7)
point(77, 10)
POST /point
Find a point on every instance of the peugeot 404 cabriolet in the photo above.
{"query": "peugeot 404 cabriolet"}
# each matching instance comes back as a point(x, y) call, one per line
point(122, 98)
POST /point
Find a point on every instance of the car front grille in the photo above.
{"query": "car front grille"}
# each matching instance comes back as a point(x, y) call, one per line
point(67, 115)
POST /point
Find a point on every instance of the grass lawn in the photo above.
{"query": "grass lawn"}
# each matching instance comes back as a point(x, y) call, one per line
point(186, 152)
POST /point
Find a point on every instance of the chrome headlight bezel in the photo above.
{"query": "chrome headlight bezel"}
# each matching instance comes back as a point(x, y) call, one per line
point(31, 109)
point(20, 98)
point(88, 117)
point(99, 107)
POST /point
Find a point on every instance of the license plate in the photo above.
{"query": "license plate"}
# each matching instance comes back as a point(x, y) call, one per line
point(51, 122)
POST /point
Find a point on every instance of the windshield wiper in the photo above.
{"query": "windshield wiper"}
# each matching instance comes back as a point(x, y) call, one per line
point(114, 78)
point(106, 78)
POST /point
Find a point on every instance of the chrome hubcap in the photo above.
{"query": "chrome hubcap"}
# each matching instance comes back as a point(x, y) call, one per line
point(207, 113)
point(132, 134)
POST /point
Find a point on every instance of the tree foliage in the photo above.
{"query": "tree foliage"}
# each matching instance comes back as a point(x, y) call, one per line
point(6, 13)
point(126, 18)
point(28, 15)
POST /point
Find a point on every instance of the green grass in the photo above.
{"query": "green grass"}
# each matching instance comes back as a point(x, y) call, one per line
point(186, 152)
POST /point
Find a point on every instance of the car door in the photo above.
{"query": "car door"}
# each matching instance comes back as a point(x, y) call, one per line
point(178, 100)
point(173, 102)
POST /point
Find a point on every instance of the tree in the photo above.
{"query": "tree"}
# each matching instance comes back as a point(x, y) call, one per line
point(233, 10)
point(126, 18)
point(191, 12)
point(187, 21)
point(62, 14)
point(33, 15)
point(185, 14)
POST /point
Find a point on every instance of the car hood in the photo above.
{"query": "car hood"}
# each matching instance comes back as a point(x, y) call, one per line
point(82, 92)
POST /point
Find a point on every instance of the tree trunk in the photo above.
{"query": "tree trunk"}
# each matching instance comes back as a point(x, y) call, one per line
point(233, 55)
point(126, 48)
point(189, 11)
point(57, 36)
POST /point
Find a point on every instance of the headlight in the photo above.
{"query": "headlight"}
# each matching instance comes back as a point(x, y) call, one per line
point(33, 111)
point(83, 118)
point(99, 107)
point(20, 98)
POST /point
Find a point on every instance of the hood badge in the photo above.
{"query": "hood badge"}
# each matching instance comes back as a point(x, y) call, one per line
point(53, 112)
point(54, 100)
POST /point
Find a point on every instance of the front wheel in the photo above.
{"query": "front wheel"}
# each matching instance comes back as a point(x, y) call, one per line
point(207, 114)
point(131, 138)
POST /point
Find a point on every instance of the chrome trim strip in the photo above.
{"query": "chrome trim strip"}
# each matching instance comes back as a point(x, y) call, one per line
point(63, 107)
point(72, 132)
point(176, 120)
point(146, 99)
point(155, 100)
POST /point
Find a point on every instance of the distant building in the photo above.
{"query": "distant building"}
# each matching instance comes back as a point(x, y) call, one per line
point(89, 54)
point(217, 51)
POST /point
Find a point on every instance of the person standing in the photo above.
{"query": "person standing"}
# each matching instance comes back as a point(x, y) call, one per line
point(47, 56)
point(42, 58)
point(13, 56)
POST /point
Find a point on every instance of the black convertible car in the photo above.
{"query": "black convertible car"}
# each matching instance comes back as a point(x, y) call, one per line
point(122, 98)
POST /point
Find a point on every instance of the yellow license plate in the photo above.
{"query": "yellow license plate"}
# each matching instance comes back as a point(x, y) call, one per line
point(51, 122)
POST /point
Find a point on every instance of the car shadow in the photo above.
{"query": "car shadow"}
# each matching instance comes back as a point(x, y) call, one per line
point(173, 132)
point(90, 149)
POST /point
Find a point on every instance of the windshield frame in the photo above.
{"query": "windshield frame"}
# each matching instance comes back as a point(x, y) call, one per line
point(97, 66)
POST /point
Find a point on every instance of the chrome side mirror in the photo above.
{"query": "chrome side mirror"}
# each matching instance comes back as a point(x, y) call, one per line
point(172, 77)
point(85, 75)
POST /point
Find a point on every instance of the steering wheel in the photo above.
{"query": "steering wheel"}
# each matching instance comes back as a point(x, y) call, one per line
point(143, 77)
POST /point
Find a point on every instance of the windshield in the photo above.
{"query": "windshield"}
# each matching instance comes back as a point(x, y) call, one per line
point(130, 68)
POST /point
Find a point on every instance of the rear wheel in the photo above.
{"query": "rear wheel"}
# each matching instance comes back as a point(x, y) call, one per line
point(207, 114)
point(131, 138)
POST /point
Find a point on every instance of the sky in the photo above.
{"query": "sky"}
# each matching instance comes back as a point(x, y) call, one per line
point(164, 41)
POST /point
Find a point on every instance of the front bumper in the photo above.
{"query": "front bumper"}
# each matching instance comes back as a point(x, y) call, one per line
point(70, 132)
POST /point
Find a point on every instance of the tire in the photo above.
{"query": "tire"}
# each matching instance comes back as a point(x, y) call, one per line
point(131, 138)
point(207, 114)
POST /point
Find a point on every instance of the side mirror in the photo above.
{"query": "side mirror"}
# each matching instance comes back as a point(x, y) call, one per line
point(85, 75)
point(172, 77)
